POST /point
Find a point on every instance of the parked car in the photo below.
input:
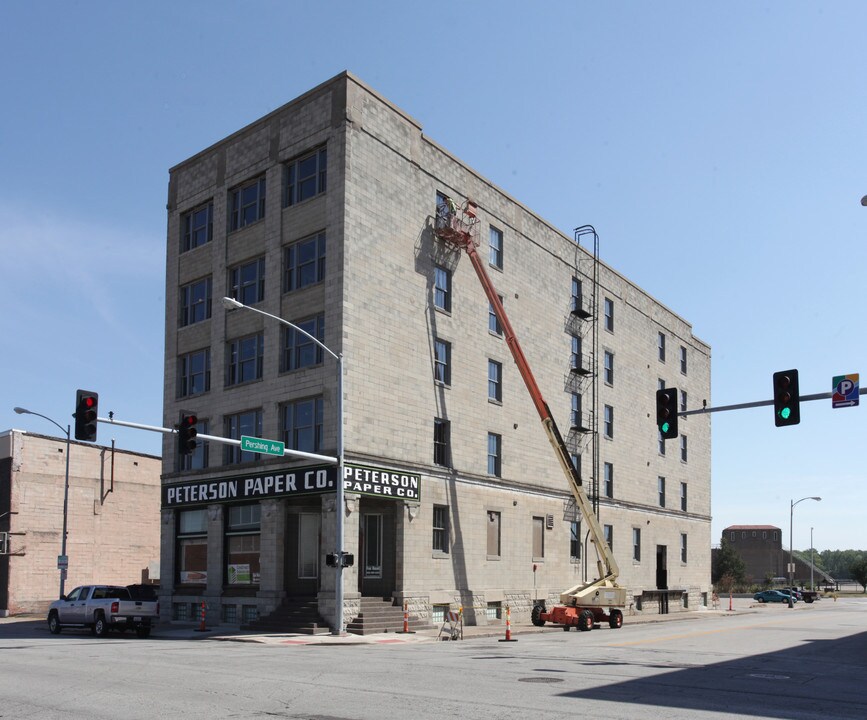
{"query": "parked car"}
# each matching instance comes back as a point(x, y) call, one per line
point(103, 608)
point(771, 596)
point(793, 592)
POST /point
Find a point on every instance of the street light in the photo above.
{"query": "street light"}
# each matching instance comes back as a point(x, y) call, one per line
point(811, 559)
point(791, 553)
point(232, 304)
point(22, 411)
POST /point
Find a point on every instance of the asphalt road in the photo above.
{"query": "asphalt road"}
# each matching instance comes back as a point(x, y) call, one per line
point(810, 662)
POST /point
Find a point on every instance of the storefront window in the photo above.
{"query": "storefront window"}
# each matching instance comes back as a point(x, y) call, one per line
point(243, 544)
point(192, 549)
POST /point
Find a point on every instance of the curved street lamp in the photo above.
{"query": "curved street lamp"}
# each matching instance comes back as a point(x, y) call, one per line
point(791, 555)
point(232, 304)
point(23, 411)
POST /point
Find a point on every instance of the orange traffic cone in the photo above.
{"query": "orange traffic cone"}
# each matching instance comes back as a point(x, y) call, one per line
point(406, 629)
point(202, 627)
point(508, 637)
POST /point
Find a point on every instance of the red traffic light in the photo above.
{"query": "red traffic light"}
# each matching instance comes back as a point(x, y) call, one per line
point(86, 403)
point(187, 433)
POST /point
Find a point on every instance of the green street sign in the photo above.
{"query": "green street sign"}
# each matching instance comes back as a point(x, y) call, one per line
point(258, 445)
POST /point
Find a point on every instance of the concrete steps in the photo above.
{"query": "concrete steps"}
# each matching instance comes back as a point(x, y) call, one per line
point(377, 615)
point(299, 615)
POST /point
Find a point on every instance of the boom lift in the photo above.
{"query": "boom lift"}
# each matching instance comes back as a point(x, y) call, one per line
point(589, 603)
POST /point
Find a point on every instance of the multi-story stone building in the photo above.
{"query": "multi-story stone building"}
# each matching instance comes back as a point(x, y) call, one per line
point(112, 513)
point(323, 213)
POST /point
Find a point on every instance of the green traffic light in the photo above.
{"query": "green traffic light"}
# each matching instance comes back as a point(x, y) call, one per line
point(664, 427)
point(785, 412)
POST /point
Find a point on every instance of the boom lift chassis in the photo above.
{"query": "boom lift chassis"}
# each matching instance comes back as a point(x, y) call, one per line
point(588, 604)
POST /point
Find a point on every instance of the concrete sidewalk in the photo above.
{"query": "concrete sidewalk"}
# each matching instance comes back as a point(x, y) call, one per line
point(740, 606)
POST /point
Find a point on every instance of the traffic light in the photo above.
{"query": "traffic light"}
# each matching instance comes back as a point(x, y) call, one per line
point(331, 559)
point(86, 403)
point(187, 434)
point(787, 398)
point(666, 412)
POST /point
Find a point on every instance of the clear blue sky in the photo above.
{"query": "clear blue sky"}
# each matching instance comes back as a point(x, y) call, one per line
point(718, 149)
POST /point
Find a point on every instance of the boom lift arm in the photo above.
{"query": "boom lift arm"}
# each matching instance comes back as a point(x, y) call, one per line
point(603, 591)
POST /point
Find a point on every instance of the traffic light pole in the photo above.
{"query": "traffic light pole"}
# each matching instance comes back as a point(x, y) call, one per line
point(217, 439)
point(759, 403)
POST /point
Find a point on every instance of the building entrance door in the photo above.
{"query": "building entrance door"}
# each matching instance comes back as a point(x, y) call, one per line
point(377, 554)
point(661, 567)
point(301, 553)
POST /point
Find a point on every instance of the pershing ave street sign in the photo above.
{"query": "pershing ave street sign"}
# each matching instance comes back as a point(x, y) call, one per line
point(258, 445)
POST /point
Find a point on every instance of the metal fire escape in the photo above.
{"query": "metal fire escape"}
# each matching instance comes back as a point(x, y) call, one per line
point(583, 378)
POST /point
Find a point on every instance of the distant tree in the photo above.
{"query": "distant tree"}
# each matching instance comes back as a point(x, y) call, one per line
point(729, 562)
point(858, 570)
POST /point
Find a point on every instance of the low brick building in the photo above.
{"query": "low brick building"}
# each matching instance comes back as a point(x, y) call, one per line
point(113, 518)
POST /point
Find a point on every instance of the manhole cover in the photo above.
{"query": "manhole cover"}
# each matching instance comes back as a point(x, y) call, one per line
point(768, 676)
point(540, 680)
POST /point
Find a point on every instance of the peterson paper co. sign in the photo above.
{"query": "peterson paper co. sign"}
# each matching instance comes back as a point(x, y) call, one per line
point(377, 482)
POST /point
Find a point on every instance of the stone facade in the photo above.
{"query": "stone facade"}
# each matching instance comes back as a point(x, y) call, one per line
point(377, 299)
point(112, 518)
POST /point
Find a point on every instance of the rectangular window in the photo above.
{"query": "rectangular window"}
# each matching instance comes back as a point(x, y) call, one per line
point(660, 344)
point(495, 381)
point(494, 325)
point(609, 315)
point(198, 459)
point(575, 357)
point(197, 227)
point(299, 351)
point(608, 421)
point(608, 479)
point(683, 496)
point(608, 534)
point(194, 373)
point(302, 424)
point(683, 400)
point(608, 367)
point(440, 541)
point(242, 544)
point(577, 301)
point(442, 362)
point(660, 443)
point(636, 544)
point(192, 547)
point(247, 282)
point(576, 462)
point(305, 177)
point(683, 448)
point(660, 488)
point(247, 203)
point(495, 257)
point(575, 540)
point(493, 534)
point(304, 263)
point(683, 547)
point(575, 411)
point(245, 357)
point(442, 288)
point(538, 538)
point(495, 449)
point(683, 359)
point(441, 442)
point(245, 423)
point(195, 302)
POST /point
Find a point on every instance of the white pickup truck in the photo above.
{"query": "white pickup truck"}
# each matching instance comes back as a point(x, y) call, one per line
point(105, 607)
